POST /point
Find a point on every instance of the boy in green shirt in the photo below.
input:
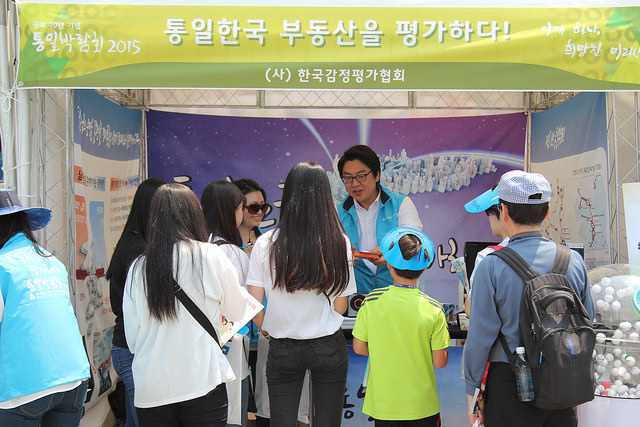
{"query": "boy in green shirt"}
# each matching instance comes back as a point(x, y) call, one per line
point(404, 333)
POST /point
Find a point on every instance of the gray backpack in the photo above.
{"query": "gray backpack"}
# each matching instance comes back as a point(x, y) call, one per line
point(556, 332)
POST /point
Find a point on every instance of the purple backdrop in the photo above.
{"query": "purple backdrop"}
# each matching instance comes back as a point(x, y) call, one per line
point(198, 149)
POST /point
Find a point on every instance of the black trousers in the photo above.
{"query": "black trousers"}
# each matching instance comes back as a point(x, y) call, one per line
point(432, 421)
point(504, 409)
point(209, 410)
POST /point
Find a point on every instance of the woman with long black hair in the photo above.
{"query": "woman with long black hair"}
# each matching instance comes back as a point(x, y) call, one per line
point(178, 368)
point(304, 267)
point(222, 205)
point(129, 247)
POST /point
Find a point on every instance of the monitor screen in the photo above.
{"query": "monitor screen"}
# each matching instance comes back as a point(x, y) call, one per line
point(471, 249)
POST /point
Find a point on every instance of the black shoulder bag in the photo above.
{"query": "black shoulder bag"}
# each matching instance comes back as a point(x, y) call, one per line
point(193, 309)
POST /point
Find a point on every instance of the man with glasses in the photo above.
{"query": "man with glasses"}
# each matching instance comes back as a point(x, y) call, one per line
point(369, 212)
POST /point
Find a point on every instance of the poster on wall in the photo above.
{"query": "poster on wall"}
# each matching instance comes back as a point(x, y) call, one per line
point(441, 163)
point(631, 197)
point(568, 146)
point(106, 161)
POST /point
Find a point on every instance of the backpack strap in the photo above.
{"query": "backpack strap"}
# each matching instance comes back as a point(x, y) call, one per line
point(515, 261)
point(561, 263)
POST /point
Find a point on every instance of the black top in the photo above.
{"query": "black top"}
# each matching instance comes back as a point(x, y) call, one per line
point(127, 250)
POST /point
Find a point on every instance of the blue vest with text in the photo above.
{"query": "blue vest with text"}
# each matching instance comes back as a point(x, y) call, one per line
point(387, 220)
point(40, 342)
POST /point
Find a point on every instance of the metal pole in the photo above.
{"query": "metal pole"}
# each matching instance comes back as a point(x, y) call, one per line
point(23, 148)
point(71, 212)
point(6, 120)
point(612, 109)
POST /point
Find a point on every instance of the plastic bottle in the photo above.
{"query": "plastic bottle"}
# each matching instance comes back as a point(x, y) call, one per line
point(523, 378)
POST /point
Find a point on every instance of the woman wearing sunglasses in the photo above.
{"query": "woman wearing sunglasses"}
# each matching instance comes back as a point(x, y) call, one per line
point(254, 211)
point(222, 205)
point(304, 267)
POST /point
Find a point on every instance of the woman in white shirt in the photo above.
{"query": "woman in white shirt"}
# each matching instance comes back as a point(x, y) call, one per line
point(178, 368)
point(222, 205)
point(304, 267)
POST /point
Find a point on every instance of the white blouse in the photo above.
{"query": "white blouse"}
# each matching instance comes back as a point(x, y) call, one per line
point(177, 360)
point(299, 315)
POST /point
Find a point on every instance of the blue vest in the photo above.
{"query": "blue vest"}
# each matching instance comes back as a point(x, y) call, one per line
point(40, 342)
point(387, 220)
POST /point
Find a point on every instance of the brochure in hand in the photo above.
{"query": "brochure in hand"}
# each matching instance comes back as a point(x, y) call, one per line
point(229, 329)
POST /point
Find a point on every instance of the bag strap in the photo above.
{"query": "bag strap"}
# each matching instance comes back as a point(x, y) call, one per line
point(561, 263)
point(195, 311)
point(515, 261)
point(512, 357)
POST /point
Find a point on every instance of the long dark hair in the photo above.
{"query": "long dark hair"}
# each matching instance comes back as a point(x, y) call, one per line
point(310, 251)
point(138, 217)
point(219, 200)
point(15, 223)
point(176, 216)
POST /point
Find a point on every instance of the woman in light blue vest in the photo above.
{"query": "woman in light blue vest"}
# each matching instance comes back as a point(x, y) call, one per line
point(44, 366)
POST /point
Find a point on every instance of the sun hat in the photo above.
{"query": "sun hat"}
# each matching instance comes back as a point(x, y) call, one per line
point(526, 188)
point(10, 204)
point(393, 255)
point(483, 202)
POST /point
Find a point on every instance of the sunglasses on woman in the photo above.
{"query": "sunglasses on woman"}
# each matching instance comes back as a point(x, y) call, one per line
point(254, 208)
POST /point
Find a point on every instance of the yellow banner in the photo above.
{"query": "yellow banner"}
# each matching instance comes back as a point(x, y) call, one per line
point(320, 47)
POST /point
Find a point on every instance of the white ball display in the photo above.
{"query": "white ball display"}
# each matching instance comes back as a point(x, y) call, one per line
point(629, 360)
point(609, 290)
point(621, 293)
point(616, 363)
point(596, 289)
point(627, 377)
point(624, 326)
point(600, 369)
point(614, 373)
point(636, 326)
point(600, 337)
point(634, 336)
point(616, 306)
point(608, 298)
point(617, 352)
point(610, 357)
point(622, 371)
point(618, 333)
point(600, 304)
point(606, 307)
point(635, 370)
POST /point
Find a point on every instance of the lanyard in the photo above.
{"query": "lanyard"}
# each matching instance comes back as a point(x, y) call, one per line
point(404, 286)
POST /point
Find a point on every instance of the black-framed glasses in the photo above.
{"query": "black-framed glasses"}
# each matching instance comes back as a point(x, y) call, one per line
point(254, 208)
point(362, 177)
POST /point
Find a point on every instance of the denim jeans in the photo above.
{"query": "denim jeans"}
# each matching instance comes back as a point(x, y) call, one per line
point(122, 359)
point(209, 410)
point(55, 410)
point(328, 360)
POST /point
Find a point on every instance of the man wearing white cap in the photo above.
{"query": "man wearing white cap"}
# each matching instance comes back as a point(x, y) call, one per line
point(495, 306)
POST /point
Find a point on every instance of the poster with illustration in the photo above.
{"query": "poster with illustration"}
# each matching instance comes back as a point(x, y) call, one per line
point(106, 161)
point(568, 146)
point(441, 163)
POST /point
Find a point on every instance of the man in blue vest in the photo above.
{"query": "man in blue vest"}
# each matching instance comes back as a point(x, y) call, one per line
point(369, 212)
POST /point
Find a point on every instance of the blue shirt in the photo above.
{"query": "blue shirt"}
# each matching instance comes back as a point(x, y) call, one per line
point(495, 306)
point(40, 342)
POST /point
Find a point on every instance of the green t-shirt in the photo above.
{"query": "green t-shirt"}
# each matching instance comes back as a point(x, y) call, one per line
point(401, 326)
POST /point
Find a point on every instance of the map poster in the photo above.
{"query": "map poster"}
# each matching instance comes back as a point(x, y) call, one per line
point(631, 195)
point(568, 146)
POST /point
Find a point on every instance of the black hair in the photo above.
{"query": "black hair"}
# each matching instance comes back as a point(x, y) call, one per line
point(410, 246)
point(248, 185)
point(219, 200)
point(310, 250)
point(527, 214)
point(363, 153)
point(138, 218)
point(176, 216)
point(15, 223)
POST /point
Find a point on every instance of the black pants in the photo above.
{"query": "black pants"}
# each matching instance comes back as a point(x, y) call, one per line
point(328, 360)
point(504, 409)
point(432, 421)
point(208, 410)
